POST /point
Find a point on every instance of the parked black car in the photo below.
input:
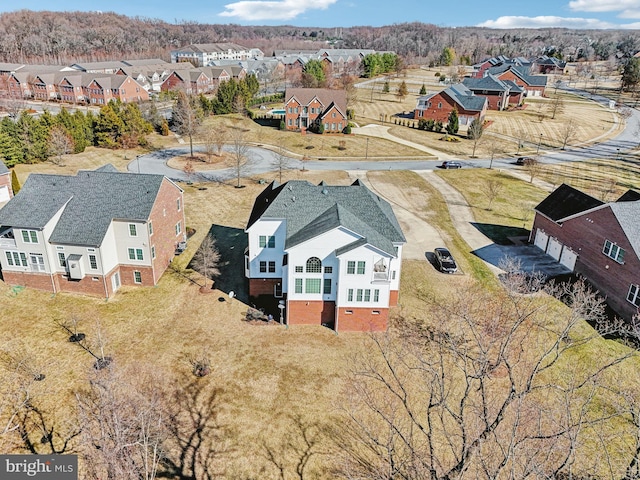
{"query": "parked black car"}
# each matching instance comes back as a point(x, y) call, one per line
point(450, 164)
point(445, 260)
point(525, 161)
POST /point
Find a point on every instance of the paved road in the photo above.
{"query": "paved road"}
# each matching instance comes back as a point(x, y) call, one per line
point(261, 160)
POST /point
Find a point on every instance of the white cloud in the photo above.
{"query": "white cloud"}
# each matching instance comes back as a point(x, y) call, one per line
point(630, 14)
point(259, 10)
point(547, 22)
point(603, 5)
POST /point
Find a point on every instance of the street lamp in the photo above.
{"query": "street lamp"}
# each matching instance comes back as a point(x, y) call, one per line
point(618, 154)
point(281, 307)
point(138, 162)
point(366, 152)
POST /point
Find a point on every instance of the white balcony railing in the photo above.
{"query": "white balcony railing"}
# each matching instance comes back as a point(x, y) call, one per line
point(7, 243)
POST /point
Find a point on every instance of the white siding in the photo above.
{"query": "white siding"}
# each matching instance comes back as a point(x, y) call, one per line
point(267, 228)
point(124, 241)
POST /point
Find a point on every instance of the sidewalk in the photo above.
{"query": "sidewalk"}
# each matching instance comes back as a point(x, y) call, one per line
point(381, 131)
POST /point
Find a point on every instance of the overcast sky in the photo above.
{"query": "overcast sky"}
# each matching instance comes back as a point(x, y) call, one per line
point(346, 13)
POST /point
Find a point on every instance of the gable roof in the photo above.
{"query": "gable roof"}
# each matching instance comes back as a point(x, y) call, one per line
point(310, 210)
point(462, 96)
point(627, 214)
point(629, 196)
point(565, 201)
point(90, 201)
point(521, 72)
point(489, 82)
point(326, 96)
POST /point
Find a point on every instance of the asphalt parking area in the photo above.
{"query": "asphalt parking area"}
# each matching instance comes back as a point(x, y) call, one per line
point(528, 258)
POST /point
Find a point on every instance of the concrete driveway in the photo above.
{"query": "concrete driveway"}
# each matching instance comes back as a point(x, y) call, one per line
point(528, 258)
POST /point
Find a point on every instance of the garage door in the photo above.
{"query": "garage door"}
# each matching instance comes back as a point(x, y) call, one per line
point(541, 240)
point(4, 194)
point(554, 248)
point(568, 258)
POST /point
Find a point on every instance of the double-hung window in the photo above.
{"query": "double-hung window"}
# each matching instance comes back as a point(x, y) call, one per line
point(634, 295)
point(613, 251)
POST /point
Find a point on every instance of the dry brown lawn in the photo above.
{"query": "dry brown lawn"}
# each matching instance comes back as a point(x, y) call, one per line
point(506, 128)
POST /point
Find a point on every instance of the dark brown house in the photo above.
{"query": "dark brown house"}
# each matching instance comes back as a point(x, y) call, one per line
point(599, 241)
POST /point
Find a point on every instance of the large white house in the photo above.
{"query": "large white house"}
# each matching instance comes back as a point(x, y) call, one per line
point(204, 54)
point(92, 232)
point(331, 253)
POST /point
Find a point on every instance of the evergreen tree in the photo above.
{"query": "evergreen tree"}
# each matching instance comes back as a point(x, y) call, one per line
point(423, 90)
point(313, 74)
point(631, 74)
point(385, 87)
point(109, 127)
point(453, 122)
point(15, 183)
point(226, 95)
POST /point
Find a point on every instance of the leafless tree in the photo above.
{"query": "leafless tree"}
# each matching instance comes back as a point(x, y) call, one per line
point(187, 117)
point(480, 386)
point(60, 143)
point(568, 132)
point(475, 131)
point(188, 169)
point(520, 136)
point(124, 419)
point(206, 260)
point(207, 137)
point(533, 167)
point(494, 149)
point(219, 137)
point(556, 106)
point(492, 189)
point(239, 153)
point(281, 162)
point(608, 189)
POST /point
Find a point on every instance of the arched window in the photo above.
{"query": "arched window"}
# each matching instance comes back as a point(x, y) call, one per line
point(314, 265)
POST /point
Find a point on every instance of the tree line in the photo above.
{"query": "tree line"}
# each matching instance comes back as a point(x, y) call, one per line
point(67, 37)
point(30, 139)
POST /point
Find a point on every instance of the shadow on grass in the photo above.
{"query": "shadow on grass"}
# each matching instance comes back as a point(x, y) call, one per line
point(500, 234)
point(231, 243)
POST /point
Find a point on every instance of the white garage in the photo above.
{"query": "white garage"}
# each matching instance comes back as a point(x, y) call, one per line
point(554, 248)
point(568, 258)
point(541, 240)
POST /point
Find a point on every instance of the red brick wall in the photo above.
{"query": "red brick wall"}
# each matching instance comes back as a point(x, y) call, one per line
point(133, 91)
point(393, 298)
point(586, 235)
point(509, 75)
point(362, 320)
point(86, 286)
point(39, 281)
point(173, 82)
point(442, 114)
point(302, 312)
point(493, 100)
point(262, 286)
point(164, 216)
point(126, 275)
point(292, 116)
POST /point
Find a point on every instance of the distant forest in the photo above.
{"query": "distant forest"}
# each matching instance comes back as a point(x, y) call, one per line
point(63, 38)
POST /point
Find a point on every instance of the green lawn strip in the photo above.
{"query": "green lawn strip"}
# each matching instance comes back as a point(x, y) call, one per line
point(511, 212)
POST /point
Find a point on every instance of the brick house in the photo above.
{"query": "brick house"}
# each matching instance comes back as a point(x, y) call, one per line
point(600, 241)
point(438, 106)
point(500, 94)
point(533, 85)
point(6, 190)
point(331, 253)
point(306, 107)
point(102, 89)
point(92, 232)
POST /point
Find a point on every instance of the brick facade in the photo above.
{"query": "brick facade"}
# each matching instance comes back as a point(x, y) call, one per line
point(263, 286)
point(362, 319)
point(585, 235)
point(441, 107)
point(165, 214)
point(39, 281)
point(509, 75)
point(393, 298)
point(310, 312)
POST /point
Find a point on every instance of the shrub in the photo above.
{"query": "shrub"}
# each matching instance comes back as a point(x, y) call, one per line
point(437, 74)
point(347, 130)
point(437, 126)
point(422, 124)
point(283, 126)
point(430, 125)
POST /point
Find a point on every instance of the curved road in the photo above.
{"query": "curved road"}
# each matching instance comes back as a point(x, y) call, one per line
point(262, 160)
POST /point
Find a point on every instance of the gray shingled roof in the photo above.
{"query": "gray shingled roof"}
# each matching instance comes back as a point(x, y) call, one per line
point(3, 168)
point(628, 214)
point(465, 98)
point(310, 210)
point(93, 199)
point(489, 82)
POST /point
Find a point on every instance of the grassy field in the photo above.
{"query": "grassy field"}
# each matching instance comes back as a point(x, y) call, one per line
point(511, 212)
point(506, 128)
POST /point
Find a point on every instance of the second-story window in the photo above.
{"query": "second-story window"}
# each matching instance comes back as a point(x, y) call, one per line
point(29, 236)
point(314, 265)
point(133, 231)
point(613, 251)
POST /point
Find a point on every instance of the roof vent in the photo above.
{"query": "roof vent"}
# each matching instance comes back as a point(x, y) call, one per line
point(325, 191)
point(290, 188)
point(293, 199)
